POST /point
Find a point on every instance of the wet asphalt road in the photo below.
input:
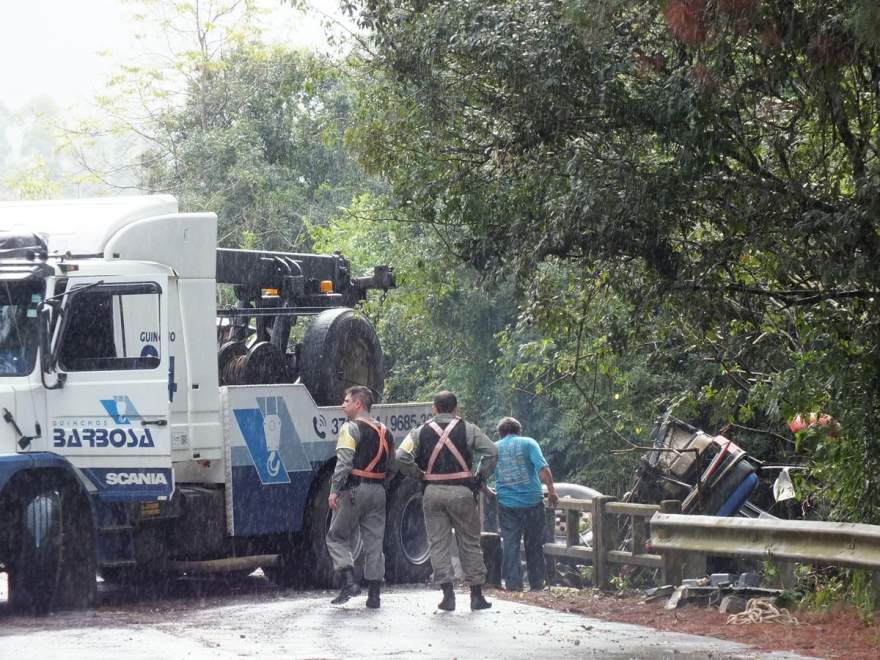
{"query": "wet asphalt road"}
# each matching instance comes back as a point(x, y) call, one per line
point(251, 619)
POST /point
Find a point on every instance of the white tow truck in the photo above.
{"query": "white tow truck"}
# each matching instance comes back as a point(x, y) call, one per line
point(149, 432)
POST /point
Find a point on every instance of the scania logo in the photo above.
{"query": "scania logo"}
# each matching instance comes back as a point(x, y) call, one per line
point(135, 479)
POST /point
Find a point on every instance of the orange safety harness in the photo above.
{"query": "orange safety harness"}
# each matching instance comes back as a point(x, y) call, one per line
point(369, 471)
point(444, 441)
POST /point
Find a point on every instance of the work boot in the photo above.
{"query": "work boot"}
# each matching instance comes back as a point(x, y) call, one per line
point(349, 587)
point(448, 602)
point(477, 600)
point(373, 594)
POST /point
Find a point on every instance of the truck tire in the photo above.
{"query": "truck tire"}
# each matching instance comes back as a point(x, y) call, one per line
point(78, 588)
point(36, 563)
point(318, 566)
point(340, 349)
point(407, 556)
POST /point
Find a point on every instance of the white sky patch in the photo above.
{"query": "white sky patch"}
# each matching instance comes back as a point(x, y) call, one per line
point(53, 47)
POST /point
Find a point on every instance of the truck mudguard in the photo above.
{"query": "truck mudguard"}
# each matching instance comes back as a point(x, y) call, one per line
point(12, 464)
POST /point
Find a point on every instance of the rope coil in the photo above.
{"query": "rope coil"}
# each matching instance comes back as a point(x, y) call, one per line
point(761, 610)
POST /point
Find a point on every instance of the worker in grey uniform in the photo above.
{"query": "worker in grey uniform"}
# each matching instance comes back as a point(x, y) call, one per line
point(442, 453)
point(364, 453)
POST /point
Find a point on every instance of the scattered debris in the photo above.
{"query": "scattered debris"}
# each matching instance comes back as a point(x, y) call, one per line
point(731, 590)
point(695, 582)
point(733, 604)
point(675, 598)
point(697, 594)
point(561, 591)
point(655, 593)
point(749, 580)
point(722, 579)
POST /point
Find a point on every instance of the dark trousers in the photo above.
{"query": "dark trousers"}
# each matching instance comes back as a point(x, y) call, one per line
point(522, 523)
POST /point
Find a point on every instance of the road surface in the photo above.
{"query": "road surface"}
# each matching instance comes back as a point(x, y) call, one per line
point(251, 619)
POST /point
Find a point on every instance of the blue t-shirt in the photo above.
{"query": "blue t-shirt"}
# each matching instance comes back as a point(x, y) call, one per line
point(516, 475)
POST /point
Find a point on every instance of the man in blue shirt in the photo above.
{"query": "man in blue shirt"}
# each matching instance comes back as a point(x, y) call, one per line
point(518, 475)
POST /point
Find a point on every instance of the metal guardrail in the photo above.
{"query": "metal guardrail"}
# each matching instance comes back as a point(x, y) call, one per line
point(604, 552)
point(853, 545)
point(684, 541)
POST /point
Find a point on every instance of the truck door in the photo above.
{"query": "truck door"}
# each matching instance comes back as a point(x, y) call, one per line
point(110, 418)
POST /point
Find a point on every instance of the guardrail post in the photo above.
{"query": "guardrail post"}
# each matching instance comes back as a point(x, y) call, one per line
point(488, 504)
point(601, 542)
point(673, 562)
point(638, 525)
point(572, 527)
point(550, 537)
point(875, 588)
point(785, 574)
point(549, 524)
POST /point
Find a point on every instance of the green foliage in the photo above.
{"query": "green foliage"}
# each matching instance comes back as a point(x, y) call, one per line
point(598, 211)
point(825, 590)
point(227, 123)
point(438, 326)
point(685, 195)
point(260, 144)
point(35, 163)
point(32, 180)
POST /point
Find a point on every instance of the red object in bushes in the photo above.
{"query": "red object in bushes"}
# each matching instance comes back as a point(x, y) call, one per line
point(685, 20)
point(802, 421)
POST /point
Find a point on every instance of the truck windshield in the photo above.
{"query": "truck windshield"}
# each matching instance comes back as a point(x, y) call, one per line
point(18, 326)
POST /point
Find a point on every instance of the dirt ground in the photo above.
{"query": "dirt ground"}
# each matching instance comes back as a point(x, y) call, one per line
point(836, 633)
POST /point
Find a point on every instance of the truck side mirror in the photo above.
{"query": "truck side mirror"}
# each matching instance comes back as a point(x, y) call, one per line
point(47, 357)
point(44, 319)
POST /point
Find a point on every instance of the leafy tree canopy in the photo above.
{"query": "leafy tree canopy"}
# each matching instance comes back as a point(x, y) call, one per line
point(710, 166)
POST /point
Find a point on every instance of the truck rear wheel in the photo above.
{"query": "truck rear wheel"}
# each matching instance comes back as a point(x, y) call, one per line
point(340, 349)
point(407, 555)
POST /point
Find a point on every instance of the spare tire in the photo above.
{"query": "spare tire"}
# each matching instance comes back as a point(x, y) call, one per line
point(340, 349)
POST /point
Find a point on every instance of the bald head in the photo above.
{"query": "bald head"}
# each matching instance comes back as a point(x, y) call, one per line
point(445, 402)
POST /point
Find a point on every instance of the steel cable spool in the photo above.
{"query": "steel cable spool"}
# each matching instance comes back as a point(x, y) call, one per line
point(262, 364)
point(228, 361)
point(233, 371)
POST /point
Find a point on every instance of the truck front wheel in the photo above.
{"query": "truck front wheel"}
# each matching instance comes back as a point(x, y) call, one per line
point(53, 562)
point(36, 567)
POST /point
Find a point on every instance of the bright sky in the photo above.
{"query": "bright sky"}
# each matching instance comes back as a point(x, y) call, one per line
point(51, 47)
